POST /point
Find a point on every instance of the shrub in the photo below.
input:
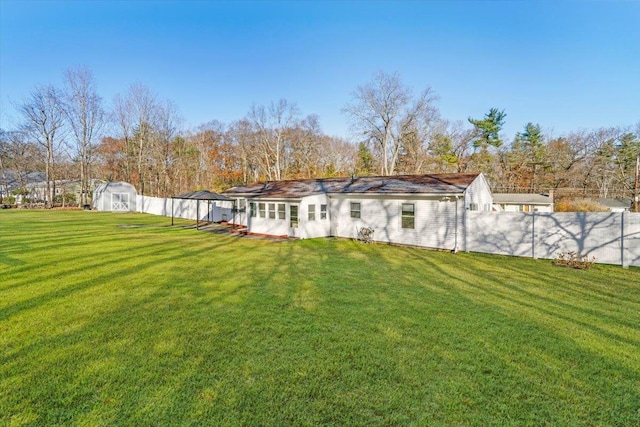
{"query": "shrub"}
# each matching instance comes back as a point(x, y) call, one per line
point(573, 260)
point(69, 198)
point(579, 205)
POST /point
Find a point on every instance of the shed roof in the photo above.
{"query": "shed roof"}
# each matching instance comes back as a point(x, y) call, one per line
point(521, 198)
point(201, 195)
point(398, 184)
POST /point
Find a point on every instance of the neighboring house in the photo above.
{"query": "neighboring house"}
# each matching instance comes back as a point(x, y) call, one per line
point(519, 202)
point(421, 210)
point(614, 205)
point(114, 197)
point(11, 181)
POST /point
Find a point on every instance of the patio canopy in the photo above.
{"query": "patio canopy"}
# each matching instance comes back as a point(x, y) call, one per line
point(209, 196)
point(202, 195)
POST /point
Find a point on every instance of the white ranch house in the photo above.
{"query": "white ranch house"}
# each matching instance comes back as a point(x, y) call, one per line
point(420, 210)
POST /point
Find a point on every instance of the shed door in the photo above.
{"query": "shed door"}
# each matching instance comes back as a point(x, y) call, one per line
point(120, 202)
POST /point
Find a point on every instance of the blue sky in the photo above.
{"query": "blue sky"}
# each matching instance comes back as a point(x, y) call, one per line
point(564, 65)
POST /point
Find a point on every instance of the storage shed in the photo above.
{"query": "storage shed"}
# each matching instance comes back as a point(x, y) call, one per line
point(114, 197)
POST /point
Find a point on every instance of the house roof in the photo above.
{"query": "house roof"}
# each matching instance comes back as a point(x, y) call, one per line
point(398, 184)
point(201, 195)
point(613, 203)
point(522, 199)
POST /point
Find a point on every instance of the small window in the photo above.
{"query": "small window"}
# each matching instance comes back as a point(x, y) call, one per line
point(261, 209)
point(355, 210)
point(323, 211)
point(293, 215)
point(281, 210)
point(252, 208)
point(408, 215)
point(473, 206)
point(312, 212)
point(272, 211)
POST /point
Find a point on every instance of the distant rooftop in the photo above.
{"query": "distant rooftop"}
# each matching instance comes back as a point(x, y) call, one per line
point(522, 199)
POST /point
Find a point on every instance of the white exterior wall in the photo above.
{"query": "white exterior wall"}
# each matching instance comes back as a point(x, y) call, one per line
point(435, 220)
point(319, 227)
point(266, 225)
point(479, 192)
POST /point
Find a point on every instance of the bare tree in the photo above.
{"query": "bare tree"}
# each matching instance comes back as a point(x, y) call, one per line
point(271, 126)
point(86, 117)
point(241, 135)
point(43, 122)
point(385, 111)
point(162, 152)
point(137, 115)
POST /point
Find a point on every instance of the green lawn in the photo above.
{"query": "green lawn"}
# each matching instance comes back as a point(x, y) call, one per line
point(112, 319)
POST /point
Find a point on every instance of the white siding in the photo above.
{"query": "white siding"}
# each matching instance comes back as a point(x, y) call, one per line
point(266, 225)
point(479, 193)
point(319, 227)
point(435, 224)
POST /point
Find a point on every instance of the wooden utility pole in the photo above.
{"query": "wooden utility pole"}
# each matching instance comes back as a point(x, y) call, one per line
point(636, 187)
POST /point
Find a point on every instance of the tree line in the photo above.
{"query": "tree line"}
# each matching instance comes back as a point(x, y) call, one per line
point(68, 133)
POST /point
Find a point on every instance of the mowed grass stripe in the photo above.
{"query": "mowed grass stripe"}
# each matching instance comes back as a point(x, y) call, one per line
point(121, 319)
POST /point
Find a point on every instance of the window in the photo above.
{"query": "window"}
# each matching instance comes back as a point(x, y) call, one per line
point(261, 210)
point(312, 212)
point(252, 208)
point(281, 211)
point(242, 205)
point(293, 215)
point(323, 211)
point(355, 210)
point(408, 215)
point(272, 211)
point(473, 206)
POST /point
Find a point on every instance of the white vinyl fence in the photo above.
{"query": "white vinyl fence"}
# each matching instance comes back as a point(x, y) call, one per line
point(612, 238)
point(213, 211)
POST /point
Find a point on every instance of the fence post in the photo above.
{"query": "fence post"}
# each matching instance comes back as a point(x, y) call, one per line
point(533, 235)
point(623, 260)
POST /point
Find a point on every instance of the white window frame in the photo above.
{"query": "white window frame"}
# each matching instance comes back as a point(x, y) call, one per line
point(355, 213)
point(412, 216)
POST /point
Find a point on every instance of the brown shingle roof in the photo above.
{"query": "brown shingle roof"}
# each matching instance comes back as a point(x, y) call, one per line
point(398, 184)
